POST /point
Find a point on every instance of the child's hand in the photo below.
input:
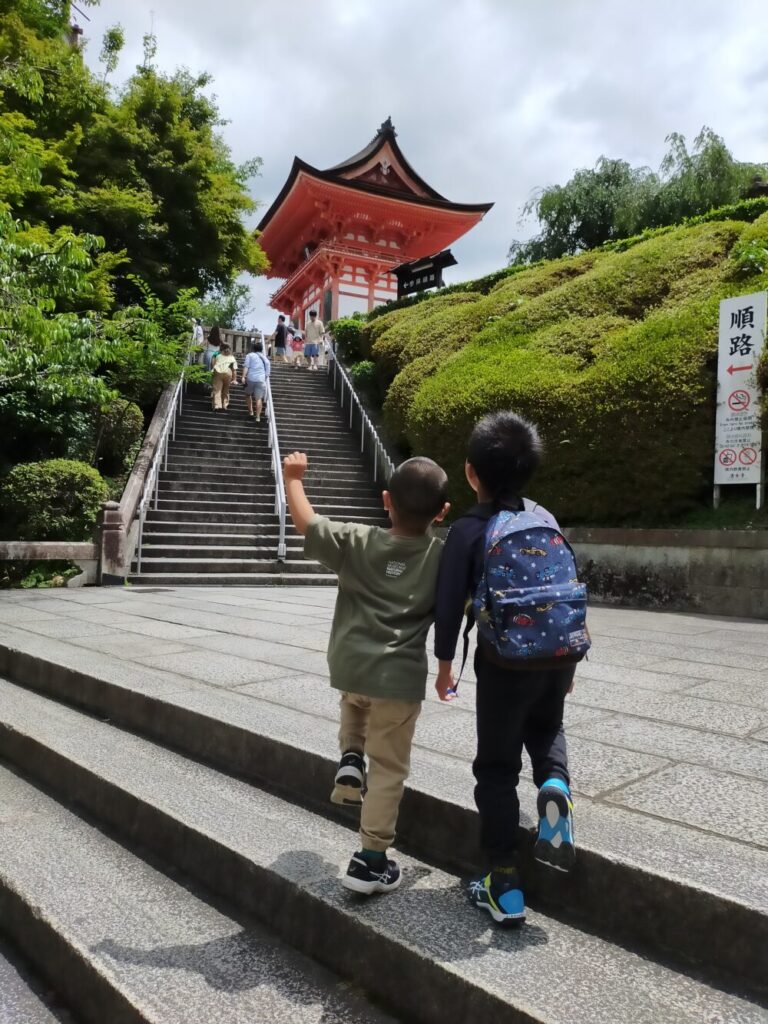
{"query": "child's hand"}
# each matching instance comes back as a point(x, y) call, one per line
point(444, 684)
point(295, 466)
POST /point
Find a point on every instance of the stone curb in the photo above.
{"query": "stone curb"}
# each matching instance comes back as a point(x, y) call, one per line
point(619, 901)
point(66, 968)
point(388, 969)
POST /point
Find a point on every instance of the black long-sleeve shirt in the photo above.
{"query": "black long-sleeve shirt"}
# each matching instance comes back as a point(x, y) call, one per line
point(461, 568)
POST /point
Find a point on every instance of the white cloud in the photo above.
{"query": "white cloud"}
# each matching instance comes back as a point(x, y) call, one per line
point(491, 98)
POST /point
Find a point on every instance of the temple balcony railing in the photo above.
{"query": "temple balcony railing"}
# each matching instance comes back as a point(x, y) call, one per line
point(335, 249)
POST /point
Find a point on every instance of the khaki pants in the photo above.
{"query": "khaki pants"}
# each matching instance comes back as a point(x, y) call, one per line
point(383, 730)
point(221, 382)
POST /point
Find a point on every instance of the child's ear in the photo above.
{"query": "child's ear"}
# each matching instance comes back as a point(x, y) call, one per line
point(471, 475)
point(442, 513)
point(387, 501)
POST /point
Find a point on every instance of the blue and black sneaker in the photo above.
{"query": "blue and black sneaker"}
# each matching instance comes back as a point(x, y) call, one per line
point(500, 894)
point(367, 876)
point(554, 844)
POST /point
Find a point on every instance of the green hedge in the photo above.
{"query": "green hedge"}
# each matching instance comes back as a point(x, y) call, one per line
point(54, 500)
point(347, 332)
point(119, 429)
point(612, 354)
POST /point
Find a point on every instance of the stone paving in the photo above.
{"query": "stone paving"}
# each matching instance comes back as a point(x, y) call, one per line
point(668, 721)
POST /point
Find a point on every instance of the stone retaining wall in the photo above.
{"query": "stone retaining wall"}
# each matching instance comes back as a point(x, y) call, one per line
point(715, 572)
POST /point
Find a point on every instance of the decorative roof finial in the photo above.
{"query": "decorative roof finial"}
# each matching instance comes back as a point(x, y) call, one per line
point(387, 126)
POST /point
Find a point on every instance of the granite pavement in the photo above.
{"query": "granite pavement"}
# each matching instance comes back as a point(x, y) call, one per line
point(667, 725)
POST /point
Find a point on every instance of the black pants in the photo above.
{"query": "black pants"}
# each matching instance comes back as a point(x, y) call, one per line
point(515, 710)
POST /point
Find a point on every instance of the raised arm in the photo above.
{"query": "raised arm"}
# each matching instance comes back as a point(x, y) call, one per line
point(302, 513)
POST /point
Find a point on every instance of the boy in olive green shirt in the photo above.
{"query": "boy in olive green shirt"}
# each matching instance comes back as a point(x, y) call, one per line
point(377, 651)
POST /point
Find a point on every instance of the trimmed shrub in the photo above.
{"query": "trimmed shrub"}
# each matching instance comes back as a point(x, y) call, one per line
point(54, 500)
point(403, 389)
point(348, 333)
point(446, 323)
point(363, 375)
point(119, 430)
point(612, 354)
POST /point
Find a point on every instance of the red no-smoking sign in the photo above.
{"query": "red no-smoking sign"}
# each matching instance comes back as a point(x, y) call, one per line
point(739, 400)
point(747, 456)
point(727, 457)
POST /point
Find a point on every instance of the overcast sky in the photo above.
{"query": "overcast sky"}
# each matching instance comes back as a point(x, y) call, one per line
point(490, 98)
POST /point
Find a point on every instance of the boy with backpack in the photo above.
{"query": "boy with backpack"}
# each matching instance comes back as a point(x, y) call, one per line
point(377, 652)
point(508, 556)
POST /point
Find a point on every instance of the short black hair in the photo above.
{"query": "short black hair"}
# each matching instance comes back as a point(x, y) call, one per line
point(255, 346)
point(313, 312)
point(505, 451)
point(281, 317)
point(419, 489)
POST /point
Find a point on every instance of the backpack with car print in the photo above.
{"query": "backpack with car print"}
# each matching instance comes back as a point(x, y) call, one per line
point(529, 605)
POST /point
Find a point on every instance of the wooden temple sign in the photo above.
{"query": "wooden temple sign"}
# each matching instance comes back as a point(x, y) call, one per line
point(336, 237)
point(420, 275)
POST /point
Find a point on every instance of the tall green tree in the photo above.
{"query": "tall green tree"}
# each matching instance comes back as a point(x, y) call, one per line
point(156, 181)
point(146, 169)
point(614, 200)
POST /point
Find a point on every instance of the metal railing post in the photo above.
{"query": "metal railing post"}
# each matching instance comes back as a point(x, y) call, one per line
point(142, 515)
point(378, 451)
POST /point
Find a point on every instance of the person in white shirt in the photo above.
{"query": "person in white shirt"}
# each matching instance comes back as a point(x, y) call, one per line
point(256, 370)
point(313, 337)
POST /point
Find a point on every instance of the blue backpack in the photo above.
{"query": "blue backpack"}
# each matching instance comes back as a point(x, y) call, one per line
point(529, 605)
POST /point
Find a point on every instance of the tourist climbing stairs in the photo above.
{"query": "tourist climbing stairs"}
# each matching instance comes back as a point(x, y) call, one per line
point(215, 520)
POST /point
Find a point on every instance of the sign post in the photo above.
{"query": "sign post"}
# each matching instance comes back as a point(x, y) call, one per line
point(421, 275)
point(738, 437)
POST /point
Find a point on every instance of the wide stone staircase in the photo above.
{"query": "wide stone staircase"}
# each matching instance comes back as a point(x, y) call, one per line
point(215, 520)
point(168, 855)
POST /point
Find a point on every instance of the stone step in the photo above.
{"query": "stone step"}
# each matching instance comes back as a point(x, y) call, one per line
point(279, 863)
point(360, 496)
point(250, 519)
point(224, 579)
point(23, 999)
point(190, 460)
point(236, 507)
point(638, 881)
point(125, 942)
point(232, 566)
point(224, 544)
point(247, 531)
point(260, 552)
point(259, 474)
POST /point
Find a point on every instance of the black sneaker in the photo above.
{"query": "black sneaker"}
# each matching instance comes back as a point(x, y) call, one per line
point(349, 784)
point(361, 878)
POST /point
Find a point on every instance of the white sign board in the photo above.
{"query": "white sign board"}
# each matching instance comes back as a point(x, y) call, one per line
point(738, 438)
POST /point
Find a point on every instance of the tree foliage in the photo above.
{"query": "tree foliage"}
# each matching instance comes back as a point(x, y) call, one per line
point(145, 169)
point(59, 369)
point(228, 306)
point(614, 200)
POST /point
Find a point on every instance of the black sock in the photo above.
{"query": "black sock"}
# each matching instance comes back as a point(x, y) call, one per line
point(375, 859)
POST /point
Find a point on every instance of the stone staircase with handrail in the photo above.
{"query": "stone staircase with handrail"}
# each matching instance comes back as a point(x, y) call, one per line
point(215, 520)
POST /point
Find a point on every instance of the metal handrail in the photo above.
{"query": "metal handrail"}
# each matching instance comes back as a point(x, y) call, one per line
point(367, 429)
point(277, 471)
point(152, 481)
